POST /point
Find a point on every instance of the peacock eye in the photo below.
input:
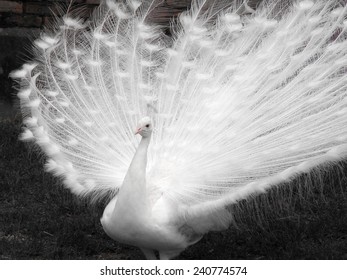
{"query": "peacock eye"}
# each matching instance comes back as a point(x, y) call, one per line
point(147, 125)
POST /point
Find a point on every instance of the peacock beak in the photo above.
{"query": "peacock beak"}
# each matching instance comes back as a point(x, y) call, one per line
point(138, 130)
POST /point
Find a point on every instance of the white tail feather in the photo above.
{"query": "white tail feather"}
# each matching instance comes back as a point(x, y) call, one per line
point(240, 100)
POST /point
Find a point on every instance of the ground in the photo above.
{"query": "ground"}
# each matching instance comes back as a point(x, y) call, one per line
point(39, 219)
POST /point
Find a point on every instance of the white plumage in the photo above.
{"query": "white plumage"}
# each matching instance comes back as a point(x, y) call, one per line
point(237, 101)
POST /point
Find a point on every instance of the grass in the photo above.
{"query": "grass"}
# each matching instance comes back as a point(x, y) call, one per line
point(39, 219)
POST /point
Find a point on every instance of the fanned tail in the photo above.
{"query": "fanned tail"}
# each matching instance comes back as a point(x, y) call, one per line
point(90, 84)
point(256, 99)
point(240, 100)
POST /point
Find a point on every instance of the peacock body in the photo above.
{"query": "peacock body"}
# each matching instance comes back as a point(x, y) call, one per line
point(235, 102)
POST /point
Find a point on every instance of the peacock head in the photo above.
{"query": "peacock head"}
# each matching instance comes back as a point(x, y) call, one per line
point(144, 127)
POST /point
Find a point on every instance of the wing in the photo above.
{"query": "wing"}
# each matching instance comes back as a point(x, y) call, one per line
point(249, 102)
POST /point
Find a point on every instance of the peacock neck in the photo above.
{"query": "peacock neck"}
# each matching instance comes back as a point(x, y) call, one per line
point(139, 163)
point(132, 197)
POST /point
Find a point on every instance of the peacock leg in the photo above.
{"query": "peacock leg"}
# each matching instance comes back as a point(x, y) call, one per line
point(168, 255)
point(149, 254)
